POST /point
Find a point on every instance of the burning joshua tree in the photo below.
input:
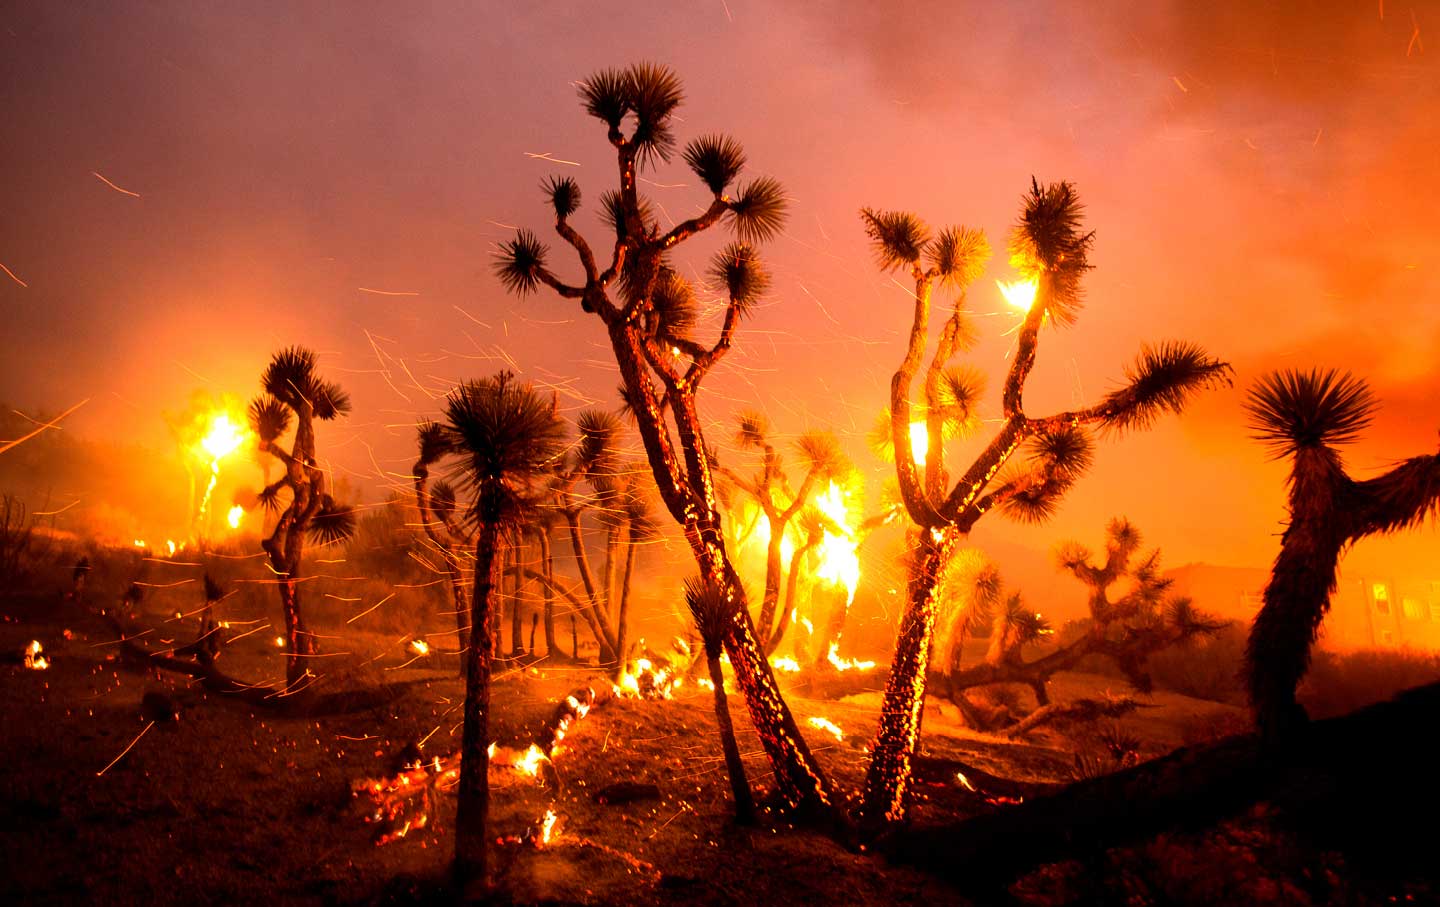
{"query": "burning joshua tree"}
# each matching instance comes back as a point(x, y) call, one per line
point(648, 310)
point(779, 504)
point(294, 391)
point(1306, 417)
point(504, 438)
point(1051, 253)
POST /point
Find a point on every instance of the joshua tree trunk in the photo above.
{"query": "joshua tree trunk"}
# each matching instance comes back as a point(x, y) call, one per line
point(792, 581)
point(888, 779)
point(474, 791)
point(739, 786)
point(517, 624)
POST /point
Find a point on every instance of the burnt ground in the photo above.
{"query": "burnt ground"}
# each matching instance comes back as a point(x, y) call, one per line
point(230, 804)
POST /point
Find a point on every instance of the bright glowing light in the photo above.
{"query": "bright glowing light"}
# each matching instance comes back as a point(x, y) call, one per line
point(420, 647)
point(964, 782)
point(846, 664)
point(547, 826)
point(279, 642)
point(839, 564)
point(829, 727)
point(224, 434)
point(33, 659)
point(529, 762)
point(140, 543)
point(236, 514)
point(170, 546)
point(1019, 293)
point(785, 663)
point(919, 442)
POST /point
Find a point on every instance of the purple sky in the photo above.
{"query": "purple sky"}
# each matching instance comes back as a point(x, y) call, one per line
point(1263, 179)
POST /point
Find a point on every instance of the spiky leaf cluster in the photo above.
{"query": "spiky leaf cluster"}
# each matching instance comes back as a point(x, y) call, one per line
point(292, 379)
point(713, 611)
point(269, 418)
point(647, 92)
point(821, 452)
point(612, 212)
point(758, 213)
point(333, 522)
point(1048, 241)
point(1161, 380)
point(506, 436)
point(897, 237)
point(736, 271)
point(564, 195)
point(672, 299)
point(1291, 411)
point(716, 160)
point(434, 442)
point(751, 429)
point(958, 256)
point(519, 262)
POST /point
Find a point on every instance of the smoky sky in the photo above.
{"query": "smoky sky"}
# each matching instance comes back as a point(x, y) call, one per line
point(1262, 179)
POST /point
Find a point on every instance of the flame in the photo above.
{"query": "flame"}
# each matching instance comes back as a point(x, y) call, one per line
point(1019, 293)
point(420, 647)
point(919, 442)
point(280, 642)
point(762, 537)
point(170, 546)
point(839, 564)
point(965, 782)
point(846, 664)
point(829, 727)
point(33, 659)
point(529, 761)
point(236, 514)
point(224, 434)
point(785, 663)
point(140, 543)
point(547, 826)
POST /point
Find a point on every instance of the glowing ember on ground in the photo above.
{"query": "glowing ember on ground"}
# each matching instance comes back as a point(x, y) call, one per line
point(965, 782)
point(419, 647)
point(236, 514)
point(547, 826)
point(1019, 293)
point(33, 659)
point(846, 664)
point(785, 663)
point(828, 726)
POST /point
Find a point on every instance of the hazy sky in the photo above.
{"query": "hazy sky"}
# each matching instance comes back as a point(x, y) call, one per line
point(1263, 179)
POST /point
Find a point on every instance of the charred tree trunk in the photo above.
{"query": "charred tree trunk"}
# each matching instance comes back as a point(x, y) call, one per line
point(474, 790)
point(887, 781)
point(739, 785)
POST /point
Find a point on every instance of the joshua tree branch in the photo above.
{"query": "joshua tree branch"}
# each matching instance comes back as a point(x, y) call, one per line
point(686, 229)
point(921, 508)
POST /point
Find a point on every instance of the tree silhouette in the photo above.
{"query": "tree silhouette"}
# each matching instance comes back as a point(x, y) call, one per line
point(437, 512)
point(295, 392)
point(649, 312)
point(1126, 629)
point(504, 439)
point(1051, 252)
point(1306, 417)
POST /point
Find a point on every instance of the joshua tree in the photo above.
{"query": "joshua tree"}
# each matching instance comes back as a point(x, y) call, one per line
point(711, 611)
point(1051, 252)
point(294, 391)
point(1127, 629)
point(648, 310)
point(1307, 417)
point(779, 504)
point(504, 438)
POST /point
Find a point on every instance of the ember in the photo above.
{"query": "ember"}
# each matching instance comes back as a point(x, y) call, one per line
point(33, 659)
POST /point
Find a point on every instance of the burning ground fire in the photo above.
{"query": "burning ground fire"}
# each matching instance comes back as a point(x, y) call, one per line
point(403, 803)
